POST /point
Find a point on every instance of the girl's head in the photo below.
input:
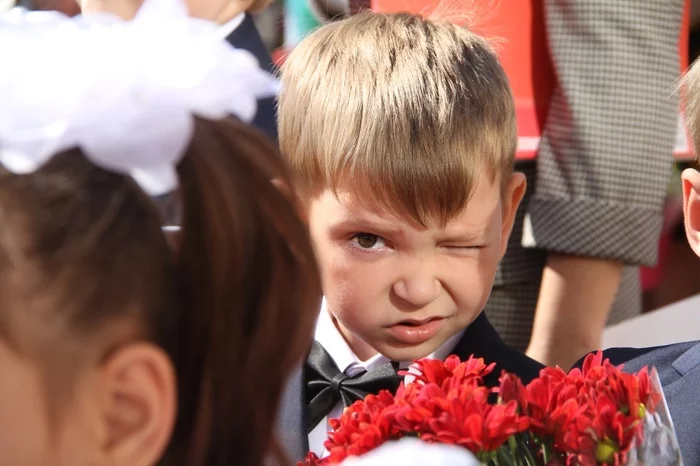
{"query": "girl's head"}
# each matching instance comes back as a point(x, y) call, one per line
point(116, 348)
point(119, 346)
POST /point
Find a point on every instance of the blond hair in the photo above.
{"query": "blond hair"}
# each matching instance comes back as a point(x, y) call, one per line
point(690, 87)
point(408, 110)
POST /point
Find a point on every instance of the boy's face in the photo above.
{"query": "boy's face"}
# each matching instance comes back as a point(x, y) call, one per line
point(402, 290)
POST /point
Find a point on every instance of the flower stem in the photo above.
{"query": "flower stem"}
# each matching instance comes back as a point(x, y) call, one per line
point(531, 459)
point(545, 456)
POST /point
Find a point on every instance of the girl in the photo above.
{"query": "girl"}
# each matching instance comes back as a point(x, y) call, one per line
point(116, 348)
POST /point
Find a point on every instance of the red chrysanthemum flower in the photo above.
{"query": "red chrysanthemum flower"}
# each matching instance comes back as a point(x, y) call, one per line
point(312, 460)
point(511, 388)
point(586, 417)
point(362, 427)
point(460, 415)
point(602, 434)
point(472, 370)
point(631, 393)
point(551, 403)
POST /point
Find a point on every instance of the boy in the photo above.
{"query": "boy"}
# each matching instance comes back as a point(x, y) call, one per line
point(678, 365)
point(401, 133)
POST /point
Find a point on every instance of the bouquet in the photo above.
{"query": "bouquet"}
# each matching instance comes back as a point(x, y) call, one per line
point(595, 416)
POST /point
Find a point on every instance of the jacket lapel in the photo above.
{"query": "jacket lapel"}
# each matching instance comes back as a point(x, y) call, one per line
point(247, 37)
point(683, 398)
point(481, 340)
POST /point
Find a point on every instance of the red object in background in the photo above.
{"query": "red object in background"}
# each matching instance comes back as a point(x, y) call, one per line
point(278, 56)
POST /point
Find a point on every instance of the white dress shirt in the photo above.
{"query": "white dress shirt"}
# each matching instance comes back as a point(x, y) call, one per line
point(231, 25)
point(329, 337)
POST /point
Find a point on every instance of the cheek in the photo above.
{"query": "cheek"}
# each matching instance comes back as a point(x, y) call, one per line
point(339, 270)
point(354, 288)
point(24, 426)
point(471, 283)
point(28, 434)
point(353, 279)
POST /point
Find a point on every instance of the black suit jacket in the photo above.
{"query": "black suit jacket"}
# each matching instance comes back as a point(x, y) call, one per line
point(480, 339)
point(246, 37)
point(678, 366)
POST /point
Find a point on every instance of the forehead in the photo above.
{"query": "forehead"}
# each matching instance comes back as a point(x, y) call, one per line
point(354, 206)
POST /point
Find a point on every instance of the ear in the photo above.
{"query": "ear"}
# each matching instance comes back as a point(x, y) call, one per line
point(512, 196)
point(139, 405)
point(691, 207)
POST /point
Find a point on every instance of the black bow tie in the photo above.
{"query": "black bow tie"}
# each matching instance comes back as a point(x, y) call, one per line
point(326, 385)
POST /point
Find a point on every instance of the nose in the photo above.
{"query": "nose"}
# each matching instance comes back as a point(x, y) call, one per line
point(418, 284)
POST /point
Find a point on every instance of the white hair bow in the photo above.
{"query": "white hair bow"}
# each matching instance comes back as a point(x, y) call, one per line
point(125, 92)
point(6, 5)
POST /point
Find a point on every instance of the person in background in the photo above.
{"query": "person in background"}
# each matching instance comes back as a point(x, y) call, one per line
point(594, 208)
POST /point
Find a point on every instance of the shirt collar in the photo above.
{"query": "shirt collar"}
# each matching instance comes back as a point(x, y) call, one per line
point(231, 25)
point(329, 337)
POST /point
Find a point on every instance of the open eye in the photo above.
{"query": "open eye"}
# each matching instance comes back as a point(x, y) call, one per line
point(368, 241)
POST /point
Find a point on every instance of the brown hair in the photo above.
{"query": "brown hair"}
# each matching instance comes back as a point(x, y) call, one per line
point(406, 109)
point(234, 307)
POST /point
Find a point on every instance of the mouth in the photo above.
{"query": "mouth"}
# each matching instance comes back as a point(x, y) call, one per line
point(418, 323)
point(414, 331)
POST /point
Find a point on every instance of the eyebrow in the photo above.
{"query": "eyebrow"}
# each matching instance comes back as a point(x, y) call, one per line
point(362, 224)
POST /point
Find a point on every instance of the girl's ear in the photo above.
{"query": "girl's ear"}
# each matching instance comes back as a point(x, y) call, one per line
point(138, 405)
